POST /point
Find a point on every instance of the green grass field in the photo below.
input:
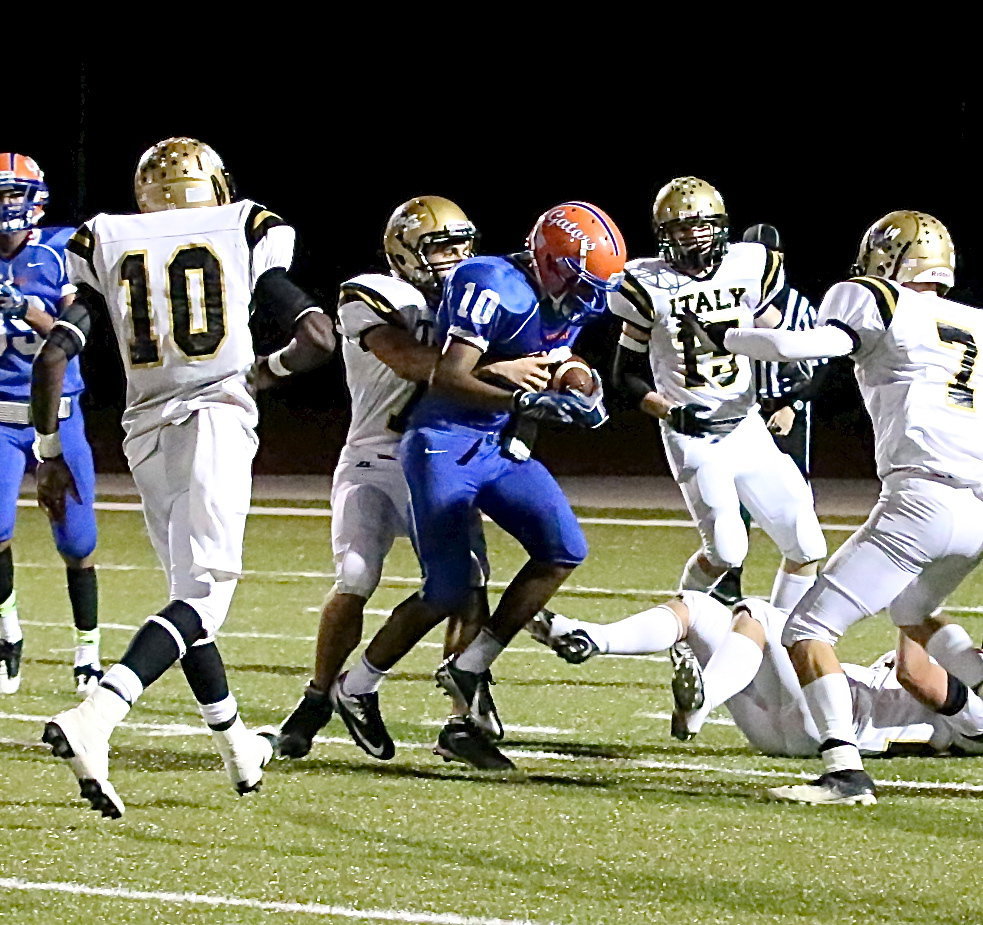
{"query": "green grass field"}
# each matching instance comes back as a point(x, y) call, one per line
point(611, 822)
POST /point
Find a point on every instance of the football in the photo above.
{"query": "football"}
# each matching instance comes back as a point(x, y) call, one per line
point(573, 373)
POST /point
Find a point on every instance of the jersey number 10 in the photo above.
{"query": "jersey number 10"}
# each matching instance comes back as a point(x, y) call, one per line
point(197, 338)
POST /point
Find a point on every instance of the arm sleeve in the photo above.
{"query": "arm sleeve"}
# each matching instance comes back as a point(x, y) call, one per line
point(781, 346)
point(71, 330)
point(631, 374)
point(277, 295)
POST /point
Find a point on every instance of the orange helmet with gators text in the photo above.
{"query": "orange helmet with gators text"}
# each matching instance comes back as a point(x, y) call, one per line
point(23, 193)
point(578, 254)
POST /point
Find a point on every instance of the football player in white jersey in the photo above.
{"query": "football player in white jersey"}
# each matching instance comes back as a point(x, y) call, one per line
point(719, 450)
point(904, 703)
point(177, 279)
point(915, 360)
point(386, 323)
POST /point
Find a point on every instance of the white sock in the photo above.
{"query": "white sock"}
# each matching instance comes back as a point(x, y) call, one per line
point(693, 577)
point(478, 656)
point(730, 669)
point(124, 682)
point(788, 589)
point(10, 630)
point(363, 678)
point(952, 647)
point(831, 705)
point(651, 630)
point(220, 713)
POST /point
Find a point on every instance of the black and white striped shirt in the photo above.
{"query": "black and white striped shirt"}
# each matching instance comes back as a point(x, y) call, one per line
point(772, 380)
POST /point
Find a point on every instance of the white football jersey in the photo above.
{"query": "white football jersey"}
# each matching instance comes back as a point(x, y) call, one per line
point(178, 286)
point(381, 400)
point(915, 357)
point(654, 296)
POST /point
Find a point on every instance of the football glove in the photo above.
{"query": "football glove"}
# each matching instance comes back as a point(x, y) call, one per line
point(709, 334)
point(13, 302)
point(561, 407)
point(594, 413)
point(686, 420)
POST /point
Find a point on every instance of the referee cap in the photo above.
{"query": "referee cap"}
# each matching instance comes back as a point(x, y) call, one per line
point(763, 234)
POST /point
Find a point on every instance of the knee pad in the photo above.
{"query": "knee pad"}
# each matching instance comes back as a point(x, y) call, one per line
point(181, 620)
point(825, 612)
point(354, 574)
point(76, 546)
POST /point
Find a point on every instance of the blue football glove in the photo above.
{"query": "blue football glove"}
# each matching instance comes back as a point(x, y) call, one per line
point(560, 407)
point(592, 413)
point(13, 302)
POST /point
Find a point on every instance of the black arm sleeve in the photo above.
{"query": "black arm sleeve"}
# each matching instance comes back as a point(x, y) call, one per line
point(277, 295)
point(71, 330)
point(631, 374)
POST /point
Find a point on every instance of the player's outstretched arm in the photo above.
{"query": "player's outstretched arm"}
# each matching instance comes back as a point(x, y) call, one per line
point(454, 376)
point(312, 345)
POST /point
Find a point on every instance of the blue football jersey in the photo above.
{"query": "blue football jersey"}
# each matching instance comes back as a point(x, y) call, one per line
point(37, 269)
point(492, 303)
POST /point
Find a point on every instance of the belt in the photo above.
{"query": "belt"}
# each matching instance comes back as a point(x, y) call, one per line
point(19, 412)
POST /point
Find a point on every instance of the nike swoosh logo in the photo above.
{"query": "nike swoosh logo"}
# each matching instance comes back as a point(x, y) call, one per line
point(30, 265)
point(428, 452)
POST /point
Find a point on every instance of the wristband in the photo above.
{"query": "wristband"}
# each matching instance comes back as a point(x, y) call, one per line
point(275, 364)
point(47, 446)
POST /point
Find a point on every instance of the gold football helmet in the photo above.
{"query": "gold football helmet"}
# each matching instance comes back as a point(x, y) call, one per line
point(908, 247)
point(690, 224)
point(421, 226)
point(181, 173)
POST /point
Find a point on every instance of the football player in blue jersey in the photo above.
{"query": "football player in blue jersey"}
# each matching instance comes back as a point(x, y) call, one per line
point(457, 456)
point(34, 287)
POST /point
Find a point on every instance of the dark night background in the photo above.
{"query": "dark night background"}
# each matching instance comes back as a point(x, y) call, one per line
point(334, 155)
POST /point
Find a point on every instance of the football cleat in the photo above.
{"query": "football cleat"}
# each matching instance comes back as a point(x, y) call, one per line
point(86, 677)
point(459, 740)
point(360, 713)
point(835, 788)
point(245, 754)
point(687, 689)
point(727, 588)
point(472, 694)
point(309, 717)
point(10, 654)
point(77, 737)
point(574, 647)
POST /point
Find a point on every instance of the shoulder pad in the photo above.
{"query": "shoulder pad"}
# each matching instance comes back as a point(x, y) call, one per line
point(885, 295)
point(634, 292)
point(82, 243)
point(385, 295)
point(259, 221)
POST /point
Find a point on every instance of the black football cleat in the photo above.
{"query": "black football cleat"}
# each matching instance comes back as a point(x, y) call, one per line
point(10, 656)
point(459, 740)
point(472, 693)
point(687, 689)
point(727, 588)
point(296, 736)
point(360, 714)
point(574, 647)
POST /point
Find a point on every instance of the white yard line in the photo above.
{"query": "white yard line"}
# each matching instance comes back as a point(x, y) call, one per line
point(204, 899)
point(165, 729)
point(270, 511)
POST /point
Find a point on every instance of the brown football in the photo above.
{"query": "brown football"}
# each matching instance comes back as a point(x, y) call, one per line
point(573, 373)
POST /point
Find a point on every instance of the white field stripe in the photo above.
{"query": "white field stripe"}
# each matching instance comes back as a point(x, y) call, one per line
point(286, 637)
point(543, 755)
point(204, 899)
point(270, 511)
point(710, 721)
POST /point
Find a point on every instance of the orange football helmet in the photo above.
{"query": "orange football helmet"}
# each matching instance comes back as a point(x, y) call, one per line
point(578, 253)
point(23, 193)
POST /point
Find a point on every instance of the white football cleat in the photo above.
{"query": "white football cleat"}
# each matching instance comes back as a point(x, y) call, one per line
point(835, 788)
point(78, 737)
point(87, 678)
point(245, 754)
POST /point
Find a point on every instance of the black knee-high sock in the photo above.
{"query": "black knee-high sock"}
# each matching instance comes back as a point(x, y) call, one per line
point(205, 672)
point(83, 592)
point(6, 574)
point(153, 649)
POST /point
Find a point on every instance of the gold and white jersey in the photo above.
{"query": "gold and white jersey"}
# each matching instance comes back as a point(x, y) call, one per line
point(381, 400)
point(915, 356)
point(653, 298)
point(178, 286)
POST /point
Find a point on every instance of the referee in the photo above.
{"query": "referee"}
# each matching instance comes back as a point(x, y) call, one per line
point(785, 393)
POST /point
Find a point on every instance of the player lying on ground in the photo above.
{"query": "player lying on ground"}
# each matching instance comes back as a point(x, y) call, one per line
point(903, 703)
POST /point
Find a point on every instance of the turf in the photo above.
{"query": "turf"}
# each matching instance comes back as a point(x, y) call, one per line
point(609, 821)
